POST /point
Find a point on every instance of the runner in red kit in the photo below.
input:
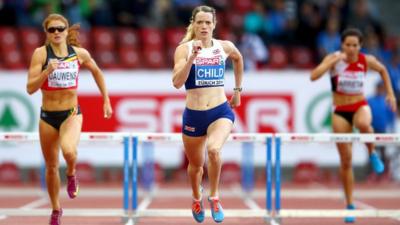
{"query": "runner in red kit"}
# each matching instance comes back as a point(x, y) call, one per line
point(348, 71)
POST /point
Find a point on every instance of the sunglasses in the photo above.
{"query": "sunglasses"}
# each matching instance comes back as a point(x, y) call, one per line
point(54, 29)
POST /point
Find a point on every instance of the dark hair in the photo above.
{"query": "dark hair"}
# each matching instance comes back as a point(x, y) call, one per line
point(352, 32)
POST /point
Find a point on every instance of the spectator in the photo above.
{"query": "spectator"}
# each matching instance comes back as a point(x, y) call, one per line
point(373, 46)
point(253, 49)
point(254, 20)
point(328, 40)
point(361, 18)
point(310, 22)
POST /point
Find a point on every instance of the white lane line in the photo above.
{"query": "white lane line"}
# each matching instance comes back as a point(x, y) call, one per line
point(35, 204)
point(247, 199)
point(147, 200)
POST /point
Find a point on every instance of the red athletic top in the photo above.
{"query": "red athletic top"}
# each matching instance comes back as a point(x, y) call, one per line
point(349, 78)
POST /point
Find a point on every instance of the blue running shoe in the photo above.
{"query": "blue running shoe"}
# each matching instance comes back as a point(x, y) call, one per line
point(198, 210)
point(350, 219)
point(217, 212)
point(376, 162)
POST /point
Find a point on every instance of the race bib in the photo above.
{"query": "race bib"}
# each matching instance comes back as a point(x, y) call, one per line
point(65, 76)
point(351, 82)
point(209, 71)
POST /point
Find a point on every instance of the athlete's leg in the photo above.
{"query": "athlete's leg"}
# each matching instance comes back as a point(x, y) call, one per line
point(70, 131)
point(217, 134)
point(49, 141)
point(362, 121)
point(194, 150)
point(340, 125)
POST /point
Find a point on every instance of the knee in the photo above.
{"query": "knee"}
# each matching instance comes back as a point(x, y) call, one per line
point(70, 155)
point(213, 155)
point(195, 168)
point(363, 126)
point(52, 168)
point(345, 163)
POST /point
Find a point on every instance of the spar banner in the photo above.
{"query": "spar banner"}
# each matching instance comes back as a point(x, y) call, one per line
point(160, 112)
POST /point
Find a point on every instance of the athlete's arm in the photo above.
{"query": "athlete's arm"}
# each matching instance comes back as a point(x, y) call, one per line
point(36, 77)
point(237, 60)
point(87, 61)
point(374, 64)
point(182, 65)
point(326, 65)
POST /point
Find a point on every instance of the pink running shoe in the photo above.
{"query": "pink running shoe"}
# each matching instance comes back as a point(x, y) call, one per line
point(55, 218)
point(72, 186)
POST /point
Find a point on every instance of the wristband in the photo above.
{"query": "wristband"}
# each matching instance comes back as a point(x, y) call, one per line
point(239, 89)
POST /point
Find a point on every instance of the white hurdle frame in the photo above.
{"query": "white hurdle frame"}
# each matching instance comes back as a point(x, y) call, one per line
point(121, 137)
point(273, 215)
point(177, 137)
point(304, 138)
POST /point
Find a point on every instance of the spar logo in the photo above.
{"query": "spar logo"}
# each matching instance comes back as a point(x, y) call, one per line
point(318, 115)
point(16, 112)
point(163, 113)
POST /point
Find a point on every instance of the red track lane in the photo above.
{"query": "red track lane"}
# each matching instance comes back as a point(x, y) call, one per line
point(228, 202)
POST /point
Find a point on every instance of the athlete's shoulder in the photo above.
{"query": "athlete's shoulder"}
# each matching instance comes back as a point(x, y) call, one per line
point(80, 50)
point(40, 50)
point(40, 53)
point(225, 43)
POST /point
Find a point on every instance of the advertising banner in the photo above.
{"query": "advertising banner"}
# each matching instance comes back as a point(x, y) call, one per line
point(146, 101)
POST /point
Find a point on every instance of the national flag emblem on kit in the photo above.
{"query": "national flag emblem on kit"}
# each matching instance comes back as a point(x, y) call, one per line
point(216, 51)
point(190, 129)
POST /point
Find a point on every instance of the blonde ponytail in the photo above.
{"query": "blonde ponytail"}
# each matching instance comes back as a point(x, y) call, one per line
point(189, 34)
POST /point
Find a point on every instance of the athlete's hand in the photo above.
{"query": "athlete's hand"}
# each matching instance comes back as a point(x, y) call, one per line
point(235, 100)
point(196, 47)
point(107, 110)
point(52, 65)
point(391, 101)
point(339, 56)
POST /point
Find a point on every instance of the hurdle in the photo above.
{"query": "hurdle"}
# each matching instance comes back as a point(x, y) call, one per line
point(85, 137)
point(272, 213)
point(177, 137)
point(304, 138)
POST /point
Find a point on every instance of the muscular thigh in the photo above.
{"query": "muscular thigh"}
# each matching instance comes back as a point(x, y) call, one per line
point(49, 141)
point(194, 149)
point(70, 131)
point(218, 132)
point(340, 124)
point(362, 117)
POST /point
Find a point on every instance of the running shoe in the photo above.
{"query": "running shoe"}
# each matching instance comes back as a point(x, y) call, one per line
point(376, 162)
point(217, 212)
point(72, 186)
point(350, 219)
point(198, 210)
point(55, 218)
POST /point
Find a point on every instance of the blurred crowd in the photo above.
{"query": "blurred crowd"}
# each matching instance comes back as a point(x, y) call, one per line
point(270, 33)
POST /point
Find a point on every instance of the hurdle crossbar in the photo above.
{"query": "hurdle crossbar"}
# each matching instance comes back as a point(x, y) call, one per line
point(121, 137)
point(280, 138)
